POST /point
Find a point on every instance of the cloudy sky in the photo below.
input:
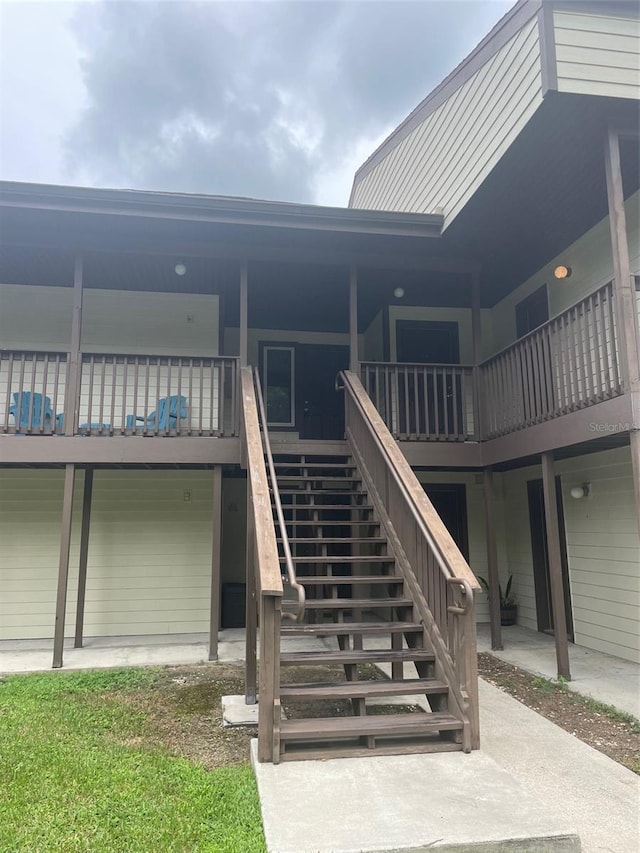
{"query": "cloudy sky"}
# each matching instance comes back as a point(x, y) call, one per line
point(277, 99)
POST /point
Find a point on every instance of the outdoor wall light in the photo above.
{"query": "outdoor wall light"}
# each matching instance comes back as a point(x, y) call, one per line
point(180, 269)
point(398, 292)
point(582, 491)
point(562, 272)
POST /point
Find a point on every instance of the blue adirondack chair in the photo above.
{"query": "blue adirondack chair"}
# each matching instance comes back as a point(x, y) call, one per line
point(166, 417)
point(42, 416)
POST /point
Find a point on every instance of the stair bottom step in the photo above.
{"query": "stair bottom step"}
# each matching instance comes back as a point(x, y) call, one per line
point(378, 725)
point(400, 746)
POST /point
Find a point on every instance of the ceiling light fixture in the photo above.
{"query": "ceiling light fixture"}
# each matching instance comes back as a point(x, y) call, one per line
point(562, 272)
point(180, 269)
point(398, 292)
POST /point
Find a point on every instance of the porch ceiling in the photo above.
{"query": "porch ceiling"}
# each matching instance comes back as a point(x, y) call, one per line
point(546, 191)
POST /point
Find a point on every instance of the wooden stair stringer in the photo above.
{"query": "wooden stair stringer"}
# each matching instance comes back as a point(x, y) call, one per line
point(444, 666)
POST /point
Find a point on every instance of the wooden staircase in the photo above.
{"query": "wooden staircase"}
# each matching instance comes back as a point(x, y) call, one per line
point(357, 603)
point(360, 596)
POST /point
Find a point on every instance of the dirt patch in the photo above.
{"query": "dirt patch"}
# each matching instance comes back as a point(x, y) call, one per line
point(612, 732)
point(185, 713)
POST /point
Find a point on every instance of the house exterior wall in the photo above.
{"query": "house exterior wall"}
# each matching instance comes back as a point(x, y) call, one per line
point(441, 163)
point(149, 564)
point(603, 550)
point(597, 54)
point(591, 264)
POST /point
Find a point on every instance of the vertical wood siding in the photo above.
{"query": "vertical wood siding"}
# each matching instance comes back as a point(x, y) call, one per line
point(597, 54)
point(149, 563)
point(442, 162)
point(603, 550)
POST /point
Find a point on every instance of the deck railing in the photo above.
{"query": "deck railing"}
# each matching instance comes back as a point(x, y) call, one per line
point(264, 580)
point(567, 364)
point(120, 394)
point(436, 574)
point(32, 392)
point(423, 402)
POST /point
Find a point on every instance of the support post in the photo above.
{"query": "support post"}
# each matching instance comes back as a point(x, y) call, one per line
point(244, 315)
point(74, 356)
point(252, 608)
point(476, 330)
point(354, 357)
point(555, 565)
point(628, 332)
point(63, 566)
point(84, 553)
point(216, 561)
point(492, 560)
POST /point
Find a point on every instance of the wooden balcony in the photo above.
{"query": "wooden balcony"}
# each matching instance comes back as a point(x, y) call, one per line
point(119, 395)
point(567, 364)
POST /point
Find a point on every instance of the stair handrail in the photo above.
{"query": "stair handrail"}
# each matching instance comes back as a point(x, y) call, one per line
point(446, 609)
point(452, 564)
point(291, 572)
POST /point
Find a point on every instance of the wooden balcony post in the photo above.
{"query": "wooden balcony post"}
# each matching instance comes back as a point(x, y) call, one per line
point(84, 553)
point(476, 325)
point(74, 357)
point(625, 301)
point(216, 555)
point(555, 565)
point(492, 560)
point(244, 314)
point(353, 320)
point(251, 606)
point(63, 567)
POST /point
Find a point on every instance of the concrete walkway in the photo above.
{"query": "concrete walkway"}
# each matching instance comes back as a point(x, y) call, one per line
point(603, 677)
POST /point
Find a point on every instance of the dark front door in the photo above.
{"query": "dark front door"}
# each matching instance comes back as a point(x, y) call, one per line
point(319, 407)
point(532, 311)
point(540, 554)
point(427, 342)
point(450, 502)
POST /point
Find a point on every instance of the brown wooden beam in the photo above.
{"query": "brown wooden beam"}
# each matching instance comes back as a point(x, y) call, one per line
point(125, 450)
point(634, 442)
point(251, 635)
point(492, 560)
point(216, 558)
point(84, 553)
point(354, 356)
point(555, 565)
point(476, 330)
point(624, 286)
point(74, 357)
point(244, 314)
point(63, 566)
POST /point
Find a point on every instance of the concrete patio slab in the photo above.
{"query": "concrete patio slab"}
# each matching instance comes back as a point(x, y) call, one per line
point(446, 802)
point(608, 679)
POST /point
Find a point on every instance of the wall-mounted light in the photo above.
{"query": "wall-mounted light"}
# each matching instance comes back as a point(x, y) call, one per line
point(398, 292)
point(180, 269)
point(562, 272)
point(582, 491)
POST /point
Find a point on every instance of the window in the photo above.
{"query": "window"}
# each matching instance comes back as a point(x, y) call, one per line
point(532, 311)
point(278, 370)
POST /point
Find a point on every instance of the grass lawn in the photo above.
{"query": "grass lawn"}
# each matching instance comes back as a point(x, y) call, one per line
point(84, 766)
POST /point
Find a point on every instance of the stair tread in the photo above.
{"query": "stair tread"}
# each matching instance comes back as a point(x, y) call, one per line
point(343, 558)
point(339, 522)
point(355, 603)
point(335, 628)
point(333, 580)
point(378, 724)
point(335, 540)
point(327, 506)
point(320, 491)
point(363, 689)
point(320, 465)
point(311, 478)
point(322, 658)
